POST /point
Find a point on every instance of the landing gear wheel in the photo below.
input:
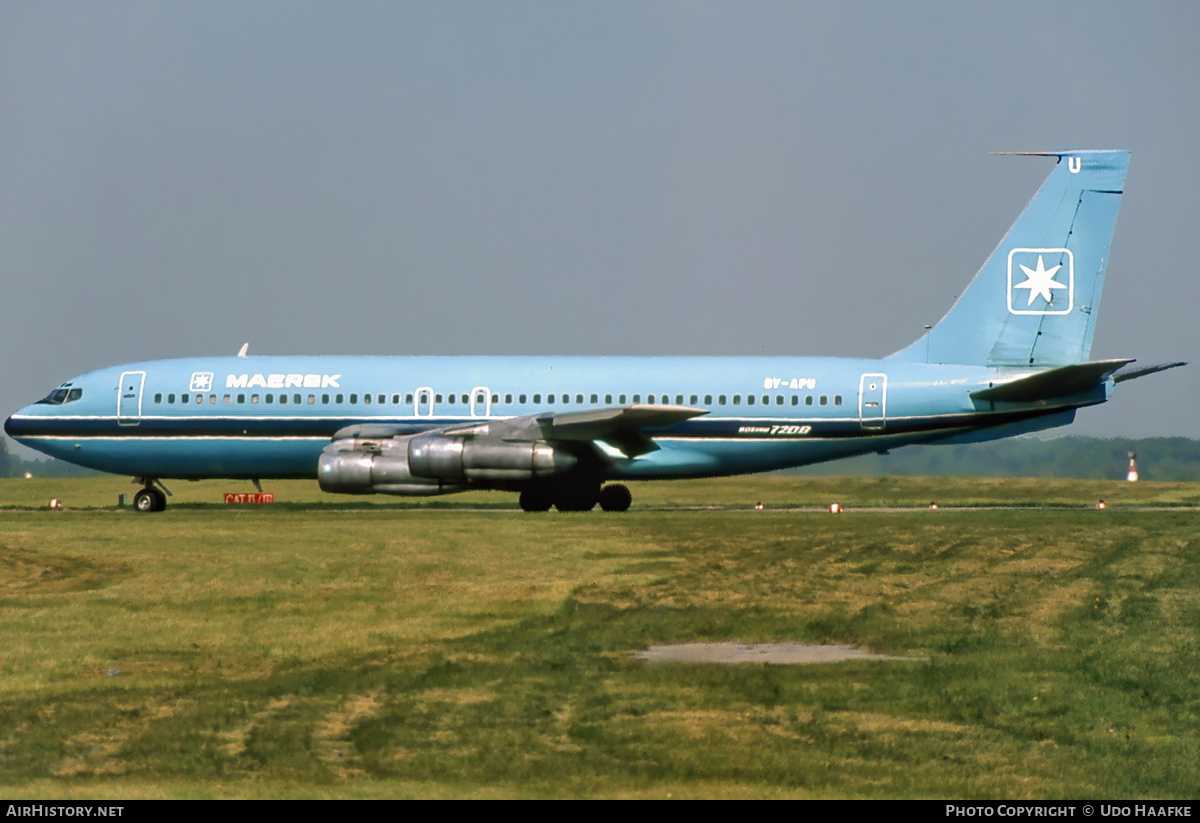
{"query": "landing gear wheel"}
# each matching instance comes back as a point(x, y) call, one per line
point(577, 499)
point(535, 500)
point(615, 498)
point(149, 500)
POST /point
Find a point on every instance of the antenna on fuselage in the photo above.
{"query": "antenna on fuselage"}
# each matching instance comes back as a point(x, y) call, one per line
point(243, 349)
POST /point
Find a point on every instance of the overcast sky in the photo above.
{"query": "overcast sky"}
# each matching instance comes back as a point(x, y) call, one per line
point(715, 178)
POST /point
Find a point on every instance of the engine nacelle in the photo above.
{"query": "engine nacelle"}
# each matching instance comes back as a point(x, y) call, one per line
point(357, 466)
point(437, 456)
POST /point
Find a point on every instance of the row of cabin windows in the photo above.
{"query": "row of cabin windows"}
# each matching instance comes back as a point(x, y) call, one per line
point(481, 399)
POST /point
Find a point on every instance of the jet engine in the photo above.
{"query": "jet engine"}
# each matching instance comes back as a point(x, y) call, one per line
point(433, 463)
point(443, 457)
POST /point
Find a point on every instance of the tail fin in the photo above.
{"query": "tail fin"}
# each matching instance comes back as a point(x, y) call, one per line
point(1034, 302)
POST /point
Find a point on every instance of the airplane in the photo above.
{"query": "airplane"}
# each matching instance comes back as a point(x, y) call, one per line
point(1010, 357)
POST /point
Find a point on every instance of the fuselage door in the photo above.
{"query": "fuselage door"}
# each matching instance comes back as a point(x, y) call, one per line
point(129, 398)
point(423, 402)
point(481, 401)
point(872, 400)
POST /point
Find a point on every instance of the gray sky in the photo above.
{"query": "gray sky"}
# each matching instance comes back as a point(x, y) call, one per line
point(574, 177)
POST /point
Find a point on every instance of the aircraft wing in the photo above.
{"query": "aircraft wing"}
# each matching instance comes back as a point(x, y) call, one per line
point(375, 431)
point(621, 427)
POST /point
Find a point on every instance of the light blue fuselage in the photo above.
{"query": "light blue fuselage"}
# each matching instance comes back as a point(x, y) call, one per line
point(764, 413)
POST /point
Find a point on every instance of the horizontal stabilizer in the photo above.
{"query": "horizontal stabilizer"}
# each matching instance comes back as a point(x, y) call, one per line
point(1141, 371)
point(1063, 381)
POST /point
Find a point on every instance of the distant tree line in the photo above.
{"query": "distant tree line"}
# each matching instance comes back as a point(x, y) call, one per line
point(12, 465)
point(1084, 458)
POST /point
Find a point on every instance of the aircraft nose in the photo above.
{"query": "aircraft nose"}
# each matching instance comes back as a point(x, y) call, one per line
point(15, 426)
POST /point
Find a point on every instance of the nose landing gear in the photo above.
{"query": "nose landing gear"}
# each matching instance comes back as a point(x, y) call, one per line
point(151, 498)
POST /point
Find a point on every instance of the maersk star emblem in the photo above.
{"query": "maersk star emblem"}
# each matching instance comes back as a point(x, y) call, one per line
point(1034, 287)
point(1041, 281)
point(201, 381)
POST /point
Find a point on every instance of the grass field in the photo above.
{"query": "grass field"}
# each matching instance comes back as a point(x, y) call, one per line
point(368, 647)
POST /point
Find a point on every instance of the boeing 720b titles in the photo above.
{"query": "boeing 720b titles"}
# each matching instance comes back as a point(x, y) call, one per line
point(1011, 356)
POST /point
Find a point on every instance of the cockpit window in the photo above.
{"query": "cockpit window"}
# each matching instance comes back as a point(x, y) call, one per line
point(63, 394)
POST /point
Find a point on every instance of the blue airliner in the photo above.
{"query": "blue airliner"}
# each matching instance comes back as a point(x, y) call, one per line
point(1010, 357)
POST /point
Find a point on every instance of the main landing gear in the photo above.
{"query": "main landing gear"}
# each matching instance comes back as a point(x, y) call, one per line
point(576, 498)
point(151, 498)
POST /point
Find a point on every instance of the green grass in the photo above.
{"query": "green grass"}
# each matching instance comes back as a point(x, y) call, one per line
point(318, 648)
point(779, 491)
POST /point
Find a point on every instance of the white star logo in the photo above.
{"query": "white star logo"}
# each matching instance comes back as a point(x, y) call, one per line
point(1040, 281)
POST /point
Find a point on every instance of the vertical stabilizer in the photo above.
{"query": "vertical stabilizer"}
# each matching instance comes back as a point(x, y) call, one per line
point(1034, 302)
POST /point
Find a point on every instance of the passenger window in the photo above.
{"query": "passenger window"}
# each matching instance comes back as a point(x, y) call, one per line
point(312, 399)
point(324, 399)
point(708, 399)
point(508, 399)
point(779, 400)
point(395, 400)
point(650, 399)
point(241, 398)
point(537, 399)
point(366, 398)
point(579, 398)
point(185, 399)
point(199, 398)
point(466, 400)
point(353, 399)
point(695, 400)
point(437, 398)
point(253, 398)
point(721, 400)
point(521, 400)
point(737, 400)
point(282, 399)
point(212, 400)
point(382, 399)
point(341, 398)
point(595, 398)
point(622, 400)
point(408, 399)
point(749, 400)
point(824, 400)
point(808, 400)
point(158, 398)
point(679, 399)
point(837, 400)
point(549, 399)
point(269, 399)
point(228, 398)
point(766, 399)
point(170, 398)
point(795, 399)
point(495, 398)
point(637, 398)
